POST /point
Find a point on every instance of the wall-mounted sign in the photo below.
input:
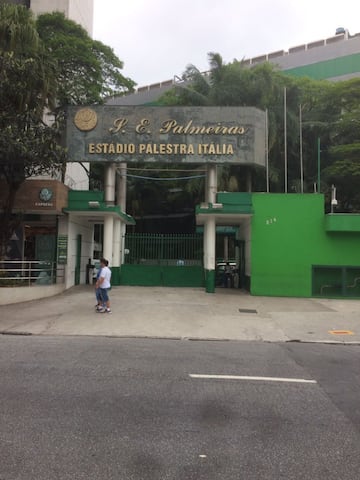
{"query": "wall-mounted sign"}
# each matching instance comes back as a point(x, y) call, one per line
point(62, 249)
point(46, 194)
point(110, 133)
point(45, 197)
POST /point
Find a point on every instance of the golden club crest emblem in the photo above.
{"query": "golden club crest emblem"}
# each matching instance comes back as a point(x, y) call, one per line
point(85, 119)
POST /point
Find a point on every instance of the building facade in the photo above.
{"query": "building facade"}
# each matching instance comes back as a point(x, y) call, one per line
point(288, 247)
point(334, 58)
point(41, 200)
point(81, 11)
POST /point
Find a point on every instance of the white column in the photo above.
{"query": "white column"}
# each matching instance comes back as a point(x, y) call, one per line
point(110, 173)
point(117, 243)
point(108, 238)
point(210, 243)
point(211, 183)
point(205, 245)
point(121, 186)
point(210, 231)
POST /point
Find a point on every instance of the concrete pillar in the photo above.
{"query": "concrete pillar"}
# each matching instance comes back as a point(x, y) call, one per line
point(108, 238)
point(117, 243)
point(121, 186)
point(210, 231)
point(108, 247)
point(209, 256)
point(110, 173)
point(207, 184)
point(211, 184)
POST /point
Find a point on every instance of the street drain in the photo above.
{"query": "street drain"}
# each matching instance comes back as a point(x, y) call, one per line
point(341, 332)
point(247, 310)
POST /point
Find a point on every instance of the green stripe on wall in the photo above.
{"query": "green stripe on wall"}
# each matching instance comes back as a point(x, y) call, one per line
point(329, 68)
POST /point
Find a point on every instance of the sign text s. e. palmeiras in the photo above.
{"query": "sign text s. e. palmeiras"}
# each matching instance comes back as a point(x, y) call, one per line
point(166, 134)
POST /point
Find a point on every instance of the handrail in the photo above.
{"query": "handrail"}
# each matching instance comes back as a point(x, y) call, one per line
point(30, 273)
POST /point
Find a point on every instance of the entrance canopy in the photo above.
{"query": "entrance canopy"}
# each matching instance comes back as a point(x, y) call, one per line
point(195, 135)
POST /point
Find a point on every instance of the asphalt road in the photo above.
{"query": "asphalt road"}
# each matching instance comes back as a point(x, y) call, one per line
point(109, 408)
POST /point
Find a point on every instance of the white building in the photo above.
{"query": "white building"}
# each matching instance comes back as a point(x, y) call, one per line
point(44, 218)
point(81, 11)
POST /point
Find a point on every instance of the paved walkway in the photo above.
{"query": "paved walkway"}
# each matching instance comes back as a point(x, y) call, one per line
point(186, 314)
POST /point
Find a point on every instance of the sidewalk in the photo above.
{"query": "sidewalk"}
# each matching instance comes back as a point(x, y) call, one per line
point(186, 313)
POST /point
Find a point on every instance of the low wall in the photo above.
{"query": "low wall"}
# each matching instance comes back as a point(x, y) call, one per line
point(9, 295)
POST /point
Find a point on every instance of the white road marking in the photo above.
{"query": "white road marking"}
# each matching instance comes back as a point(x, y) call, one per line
point(243, 377)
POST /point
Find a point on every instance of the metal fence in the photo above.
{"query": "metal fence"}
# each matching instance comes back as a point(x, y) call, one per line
point(336, 281)
point(19, 273)
point(164, 249)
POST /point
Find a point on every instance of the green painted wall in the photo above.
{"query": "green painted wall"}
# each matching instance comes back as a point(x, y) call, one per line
point(328, 68)
point(288, 238)
point(342, 222)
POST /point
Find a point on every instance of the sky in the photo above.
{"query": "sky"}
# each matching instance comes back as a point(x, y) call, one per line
point(157, 39)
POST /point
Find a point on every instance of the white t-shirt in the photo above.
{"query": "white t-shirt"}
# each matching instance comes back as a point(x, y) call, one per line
point(106, 275)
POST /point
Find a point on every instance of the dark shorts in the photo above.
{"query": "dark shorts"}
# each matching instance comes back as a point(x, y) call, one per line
point(104, 294)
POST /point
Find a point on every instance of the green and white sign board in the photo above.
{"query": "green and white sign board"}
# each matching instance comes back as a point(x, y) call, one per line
point(62, 249)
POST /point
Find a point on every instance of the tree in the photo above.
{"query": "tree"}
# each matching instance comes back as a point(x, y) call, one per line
point(27, 145)
point(235, 84)
point(343, 148)
point(261, 86)
point(44, 66)
point(87, 70)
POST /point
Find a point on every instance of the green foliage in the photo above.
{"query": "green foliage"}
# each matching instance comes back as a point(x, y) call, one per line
point(17, 30)
point(28, 146)
point(87, 70)
point(330, 111)
point(43, 64)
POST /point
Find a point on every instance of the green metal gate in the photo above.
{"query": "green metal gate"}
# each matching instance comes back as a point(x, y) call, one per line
point(163, 260)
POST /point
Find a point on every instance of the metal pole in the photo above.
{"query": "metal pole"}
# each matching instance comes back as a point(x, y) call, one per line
point(120, 227)
point(318, 164)
point(267, 150)
point(285, 143)
point(301, 151)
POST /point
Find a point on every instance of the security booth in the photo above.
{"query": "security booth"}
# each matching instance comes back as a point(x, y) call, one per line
point(232, 211)
point(85, 210)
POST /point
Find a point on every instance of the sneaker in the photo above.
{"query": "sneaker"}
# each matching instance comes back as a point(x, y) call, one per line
point(108, 310)
point(101, 310)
